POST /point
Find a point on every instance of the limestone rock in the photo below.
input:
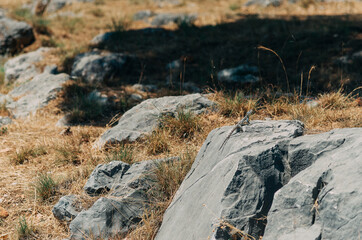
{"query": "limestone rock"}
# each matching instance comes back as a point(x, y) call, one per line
point(122, 209)
point(143, 118)
point(323, 200)
point(233, 184)
point(14, 35)
point(166, 18)
point(23, 67)
point(35, 94)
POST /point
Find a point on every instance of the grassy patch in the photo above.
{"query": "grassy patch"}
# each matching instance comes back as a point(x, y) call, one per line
point(123, 153)
point(25, 154)
point(234, 105)
point(184, 125)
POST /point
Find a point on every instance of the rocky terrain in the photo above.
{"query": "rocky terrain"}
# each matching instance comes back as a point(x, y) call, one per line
point(117, 127)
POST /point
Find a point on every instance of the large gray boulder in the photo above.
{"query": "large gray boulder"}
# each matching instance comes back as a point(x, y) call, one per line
point(35, 94)
point(122, 209)
point(241, 74)
point(143, 118)
point(14, 35)
point(232, 184)
point(324, 200)
point(97, 67)
point(23, 67)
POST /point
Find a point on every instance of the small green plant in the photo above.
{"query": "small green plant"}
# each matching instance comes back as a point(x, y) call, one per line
point(24, 229)
point(45, 187)
point(3, 131)
point(26, 154)
point(124, 154)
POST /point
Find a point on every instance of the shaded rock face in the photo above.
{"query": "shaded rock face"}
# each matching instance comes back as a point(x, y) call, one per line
point(14, 35)
point(35, 94)
point(22, 68)
point(123, 207)
point(241, 74)
point(110, 40)
point(235, 183)
point(96, 67)
point(67, 208)
point(144, 117)
point(323, 201)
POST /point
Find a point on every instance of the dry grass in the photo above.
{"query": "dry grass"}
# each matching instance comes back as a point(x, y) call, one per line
point(69, 160)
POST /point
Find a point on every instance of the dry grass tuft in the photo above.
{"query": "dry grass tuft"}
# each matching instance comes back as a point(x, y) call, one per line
point(234, 105)
point(336, 100)
point(25, 154)
point(45, 187)
point(157, 142)
point(183, 125)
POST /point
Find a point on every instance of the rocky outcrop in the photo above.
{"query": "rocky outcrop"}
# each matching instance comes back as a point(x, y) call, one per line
point(14, 35)
point(242, 74)
point(39, 7)
point(35, 94)
point(23, 67)
point(123, 207)
point(166, 18)
point(97, 67)
point(143, 118)
point(233, 184)
point(307, 187)
point(323, 200)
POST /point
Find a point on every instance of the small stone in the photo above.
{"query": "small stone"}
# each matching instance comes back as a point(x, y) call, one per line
point(3, 213)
